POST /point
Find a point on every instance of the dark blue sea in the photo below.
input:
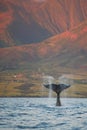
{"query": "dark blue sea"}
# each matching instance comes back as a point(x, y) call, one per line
point(42, 114)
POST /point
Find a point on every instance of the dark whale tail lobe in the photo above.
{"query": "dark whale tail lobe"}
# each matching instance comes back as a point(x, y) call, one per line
point(58, 89)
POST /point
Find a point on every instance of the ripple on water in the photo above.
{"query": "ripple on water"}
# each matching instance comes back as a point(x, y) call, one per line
point(37, 114)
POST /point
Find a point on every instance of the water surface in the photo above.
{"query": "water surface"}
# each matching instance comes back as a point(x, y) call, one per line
point(42, 114)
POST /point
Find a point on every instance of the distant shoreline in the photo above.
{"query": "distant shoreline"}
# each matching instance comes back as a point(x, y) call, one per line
point(35, 97)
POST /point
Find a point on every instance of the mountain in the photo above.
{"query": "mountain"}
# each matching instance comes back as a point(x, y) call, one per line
point(69, 49)
point(42, 37)
point(22, 67)
point(32, 21)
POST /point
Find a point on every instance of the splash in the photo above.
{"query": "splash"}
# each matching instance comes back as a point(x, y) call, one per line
point(66, 79)
point(48, 80)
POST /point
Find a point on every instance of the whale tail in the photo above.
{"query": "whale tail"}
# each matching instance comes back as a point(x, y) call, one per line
point(58, 102)
point(58, 89)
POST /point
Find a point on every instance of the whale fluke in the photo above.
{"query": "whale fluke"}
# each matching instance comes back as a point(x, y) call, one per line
point(58, 88)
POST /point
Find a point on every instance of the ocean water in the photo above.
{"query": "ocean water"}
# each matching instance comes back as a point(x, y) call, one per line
point(42, 114)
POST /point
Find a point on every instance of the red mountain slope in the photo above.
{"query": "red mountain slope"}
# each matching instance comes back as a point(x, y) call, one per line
point(32, 21)
point(68, 48)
